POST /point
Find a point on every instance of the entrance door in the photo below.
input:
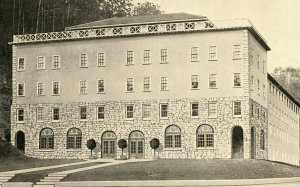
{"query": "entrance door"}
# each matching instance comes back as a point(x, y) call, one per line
point(237, 142)
point(109, 145)
point(136, 139)
point(20, 141)
point(253, 148)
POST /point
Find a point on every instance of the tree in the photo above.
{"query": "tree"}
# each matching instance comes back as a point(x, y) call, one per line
point(122, 144)
point(154, 144)
point(91, 144)
point(146, 8)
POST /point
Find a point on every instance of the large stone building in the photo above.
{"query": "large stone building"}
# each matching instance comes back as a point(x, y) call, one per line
point(191, 82)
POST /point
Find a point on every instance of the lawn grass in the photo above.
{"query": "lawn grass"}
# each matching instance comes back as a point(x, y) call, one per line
point(188, 169)
point(23, 162)
point(37, 175)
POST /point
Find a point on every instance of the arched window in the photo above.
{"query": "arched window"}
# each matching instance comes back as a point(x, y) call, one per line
point(205, 136)
point(173, 137)
point(46, 139)
point(74, 137)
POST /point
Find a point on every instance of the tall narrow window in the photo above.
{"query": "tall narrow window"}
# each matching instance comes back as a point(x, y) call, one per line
point(258, 62)
point(164, 56)
point(205, 136)
point(130, 57)
point(82, 112)
point(130, 85)
point(21, 64)
point(164, 83)
point(212, 81)
point(129, 111)
point(20, 115)
point(40, 89)
point(212, 53)
point(264, 88)
point(55, 88)
point(83, 87)
point(74, 138)
point(237, 110)
point(46, 139)
point(40, 62)
point(264, 64)
point(194, 109)
point(237, 80)
point(56, 62)
point(39, 114)
point(21, 89)
point(173, 137)
point(195, 81)
point(83, 60)
point(237, 52)
point(212, 109)
point(101, 86)
point(147, 83)
point(252, 110)
point(146, 111)
point(147, 56)
point(258, 87)
point(194, 54)
point(262, 139)
point(100, 113)
point(55, 114)
point(101, 59)
point(163, 110)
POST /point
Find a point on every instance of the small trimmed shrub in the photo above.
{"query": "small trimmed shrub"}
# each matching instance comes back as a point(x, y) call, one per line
point(154, 144)
point(91, 144)
point(122, 144)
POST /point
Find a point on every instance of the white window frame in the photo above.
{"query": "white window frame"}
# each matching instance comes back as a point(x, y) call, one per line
point(53, 88)
point(161, 56)
point(240, 77)
point(191, 109)
point(87, 60)
point(211, 51)
point(53, 58)
point(19, 64)
point(97, 112)
point(209, 109)
point(52, 114)
point(17, 120)
point(98, 86)
point(239, 50)
point(86, 109)
point(18, 84)
point(37, 88)
point(86, 87)
point(129, 91)
point(148, 62)
point(104, 59)
point(126, 111)
point(127, 52)
point(233, 109)
point(209, 80)
point(197, 54)
point(167, 87)
point(143, 111)
point(37, 112)
point(149, 90)
point(160, 110)
point(44, 63)
point(197, 76)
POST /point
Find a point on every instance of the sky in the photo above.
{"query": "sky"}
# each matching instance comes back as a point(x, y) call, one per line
point(278, 21)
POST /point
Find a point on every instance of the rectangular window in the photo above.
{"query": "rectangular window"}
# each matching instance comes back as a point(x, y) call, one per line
point(194, 54)
point(40, 62)
point(147, 56)
point(20, 115)
point(101, 86)
point(129, 57)
point(164, 83)
point(83, 112)
point(195, 81)
point(83, 60)
point(258, 62)
point(130, 85)
point(264, 88)
point(194, 109)
point(258, 86)
point(236, 52)
point(262, 140)
point(264, 63)
point(252, 110)
point(146, 111)
point(212, 53)
point(40, 89)
point(164, 110)
point(147, 83)
point(83, 87)
point(212, 81)
point(129, 111)
point(21, 89)
point(101, 59)
point(55, 114)
point(212, 109)
point(237, 80)
point(164, 56)
point(237, 110)
point(21, 64)
point(55, 88)
point(100, 112)
point(39, 114)
point(56, 62)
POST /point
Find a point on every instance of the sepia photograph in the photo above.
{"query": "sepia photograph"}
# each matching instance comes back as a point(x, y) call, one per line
point(149, 93)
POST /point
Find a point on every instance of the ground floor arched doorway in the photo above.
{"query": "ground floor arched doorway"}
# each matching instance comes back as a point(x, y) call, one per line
point(253, 144)
point(108, 145)
point(136, 144)
point(20, 141)
point(237, 142)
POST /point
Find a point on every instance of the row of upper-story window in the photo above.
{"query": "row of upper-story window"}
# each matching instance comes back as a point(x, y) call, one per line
point(283, 98)
point(282, 135)
point(83, 86)
point(101, 58)
point(261, 88)
point(283, 116)
point(258, 113)
point(212, 112)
